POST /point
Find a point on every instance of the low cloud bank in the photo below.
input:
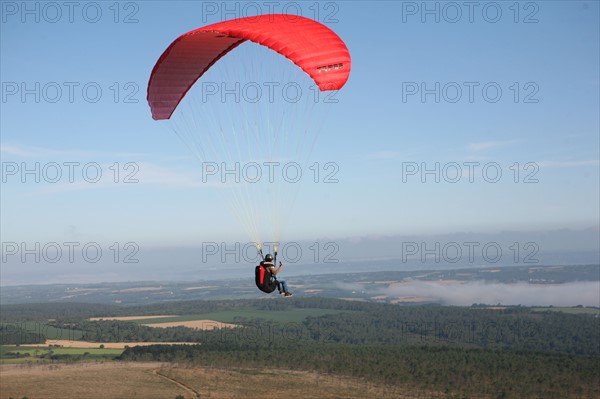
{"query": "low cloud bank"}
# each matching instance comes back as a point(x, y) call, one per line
point(464, 294)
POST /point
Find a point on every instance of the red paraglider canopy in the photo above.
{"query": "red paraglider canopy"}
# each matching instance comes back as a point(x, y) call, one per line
point(312, 46)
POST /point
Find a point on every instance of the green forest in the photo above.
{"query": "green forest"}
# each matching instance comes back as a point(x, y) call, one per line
point(463, 351)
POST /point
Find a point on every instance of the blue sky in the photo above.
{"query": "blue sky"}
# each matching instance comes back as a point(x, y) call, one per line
point(375, 132)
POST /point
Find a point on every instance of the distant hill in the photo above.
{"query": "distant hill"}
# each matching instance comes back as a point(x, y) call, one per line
point(514, 285)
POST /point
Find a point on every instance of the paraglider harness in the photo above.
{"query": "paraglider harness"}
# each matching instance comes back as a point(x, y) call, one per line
point(264, 279)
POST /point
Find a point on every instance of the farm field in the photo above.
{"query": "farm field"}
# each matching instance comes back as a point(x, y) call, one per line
point(166, 381)
point(72, 350)
point(229, 316)
point(86, 351)
point(129, 318)
point(12, 354)
point(195, 324)
point(220, 319)
point(35, 327)
point(571, 310)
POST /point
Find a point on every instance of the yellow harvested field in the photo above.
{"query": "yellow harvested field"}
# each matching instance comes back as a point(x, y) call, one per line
point(128, 318)
point(134, 380)
point(108, 345)
point(196, 324)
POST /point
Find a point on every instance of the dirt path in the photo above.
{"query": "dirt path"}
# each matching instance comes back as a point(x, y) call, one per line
point(180, 384)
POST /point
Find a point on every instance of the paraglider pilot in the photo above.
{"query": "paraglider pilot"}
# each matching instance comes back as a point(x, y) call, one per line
point(266, 279)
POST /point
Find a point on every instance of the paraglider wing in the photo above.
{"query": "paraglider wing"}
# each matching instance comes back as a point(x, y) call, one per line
point(312, 46)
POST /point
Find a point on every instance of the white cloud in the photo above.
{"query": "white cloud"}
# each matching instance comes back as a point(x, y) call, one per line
point(65, 154)
point(143, 173)
point(16, 151)
point(568, 164)
point(383, 155)
point(486, 145)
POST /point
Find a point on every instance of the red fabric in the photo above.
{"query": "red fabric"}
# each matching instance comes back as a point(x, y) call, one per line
point(312, 46)
point(262, 275)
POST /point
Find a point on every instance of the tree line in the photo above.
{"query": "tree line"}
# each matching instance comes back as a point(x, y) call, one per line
point(353, 323)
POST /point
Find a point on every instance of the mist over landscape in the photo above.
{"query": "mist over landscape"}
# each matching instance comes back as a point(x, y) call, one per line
point(357, 255)
point(222, 260)
point(520, 293)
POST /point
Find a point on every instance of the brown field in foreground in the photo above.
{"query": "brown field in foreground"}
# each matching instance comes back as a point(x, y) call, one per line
point(165, 381)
